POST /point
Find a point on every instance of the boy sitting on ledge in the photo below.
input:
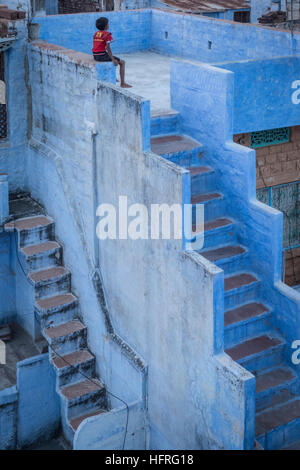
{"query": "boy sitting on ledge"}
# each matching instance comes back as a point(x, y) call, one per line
point(102, 51)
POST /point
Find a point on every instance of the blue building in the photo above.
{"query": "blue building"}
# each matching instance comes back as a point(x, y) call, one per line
point(139, 342)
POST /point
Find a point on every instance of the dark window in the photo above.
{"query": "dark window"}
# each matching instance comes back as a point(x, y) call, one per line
point(3, 111)
point(242, 16)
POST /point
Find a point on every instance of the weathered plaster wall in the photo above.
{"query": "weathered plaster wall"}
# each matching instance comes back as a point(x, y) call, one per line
point(8, 418)
point(7, 286)
point(189, 37)
point(61, 147)
point(13, 149)
point(30, 411)
point(107, 431)
point(38, 415)
point(130, 30)
point(263, 94)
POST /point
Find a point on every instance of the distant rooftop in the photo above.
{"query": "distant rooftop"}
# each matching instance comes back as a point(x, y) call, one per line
point(203, 6)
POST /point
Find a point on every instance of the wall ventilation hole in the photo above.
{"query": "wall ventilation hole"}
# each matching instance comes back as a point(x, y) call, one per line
point(166, 34)
point(209, 44)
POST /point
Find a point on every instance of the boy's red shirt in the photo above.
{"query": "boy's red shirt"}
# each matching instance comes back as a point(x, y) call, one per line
point(101, 39)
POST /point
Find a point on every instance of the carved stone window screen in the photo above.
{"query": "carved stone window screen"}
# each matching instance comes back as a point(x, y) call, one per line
point(270, 137)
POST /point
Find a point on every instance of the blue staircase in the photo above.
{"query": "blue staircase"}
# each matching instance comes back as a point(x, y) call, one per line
point(58, 319)
point(250, 337)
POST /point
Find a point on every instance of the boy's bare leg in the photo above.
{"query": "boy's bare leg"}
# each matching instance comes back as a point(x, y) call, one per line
point(122, 75)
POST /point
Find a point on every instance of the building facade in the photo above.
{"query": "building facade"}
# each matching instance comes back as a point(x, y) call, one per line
point(151, 343)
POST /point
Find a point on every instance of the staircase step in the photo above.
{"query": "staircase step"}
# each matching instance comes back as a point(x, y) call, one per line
point(42, 255)
point(67, 337)
point(65, 330)
point(216, 232)
point(214, 205)
point(75, 422)
point(279, 426)
point(32, 229)
point(258, 353)
point(200, 170)
point(177, 148)
point(223, 252)
point(84, 396)
point(294, 446)
point(72, 359)
point(165, 123)
point(273, 378)
point(238, 281)
point(73, 366)
point(229, 257)
point(205, 198)
point(203, 179)
point(244, 313)
point(245, 321)
point(273, 385)
point(239, 289)
point(57, 309)
point(50, 281)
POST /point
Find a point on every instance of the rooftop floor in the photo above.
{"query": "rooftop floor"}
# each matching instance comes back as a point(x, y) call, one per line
point(149, 75)
point(20, 347)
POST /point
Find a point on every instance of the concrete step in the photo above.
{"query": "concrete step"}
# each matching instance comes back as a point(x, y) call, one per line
point(32, 230)
point(84, 396)
point(214, 206)
point(179, 149)
point(216, 232)
point(75, 422)
point(240, 289)
point(57, 309)
point(48, 282)
point(294, 446)
point(67, 337)
point(279, 426)
point(164, 124)
point(72, 367)
point(228, 257)
point(271, 383)
point(42, 255)
point(245, 321)
point(256, 354)
point(202, 180)
point(282, 396)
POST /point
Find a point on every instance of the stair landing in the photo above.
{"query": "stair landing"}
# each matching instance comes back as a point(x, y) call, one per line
point(172, 144)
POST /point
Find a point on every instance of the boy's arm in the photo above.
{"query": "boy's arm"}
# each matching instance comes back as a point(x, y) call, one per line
point(108, 50)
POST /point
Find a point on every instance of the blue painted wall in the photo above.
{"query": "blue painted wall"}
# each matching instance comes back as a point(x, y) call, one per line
point(8, 418)
point(38, 404)
point(130, 30)
point(107, 431)
point(13, 149)
point(7, 280)
point(188, 37)
point(263, 94)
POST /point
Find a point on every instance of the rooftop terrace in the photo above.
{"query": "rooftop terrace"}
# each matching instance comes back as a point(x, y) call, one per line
point(149, 39)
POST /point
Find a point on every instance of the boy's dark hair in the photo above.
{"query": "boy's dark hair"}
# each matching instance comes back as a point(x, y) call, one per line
point(101, 23)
